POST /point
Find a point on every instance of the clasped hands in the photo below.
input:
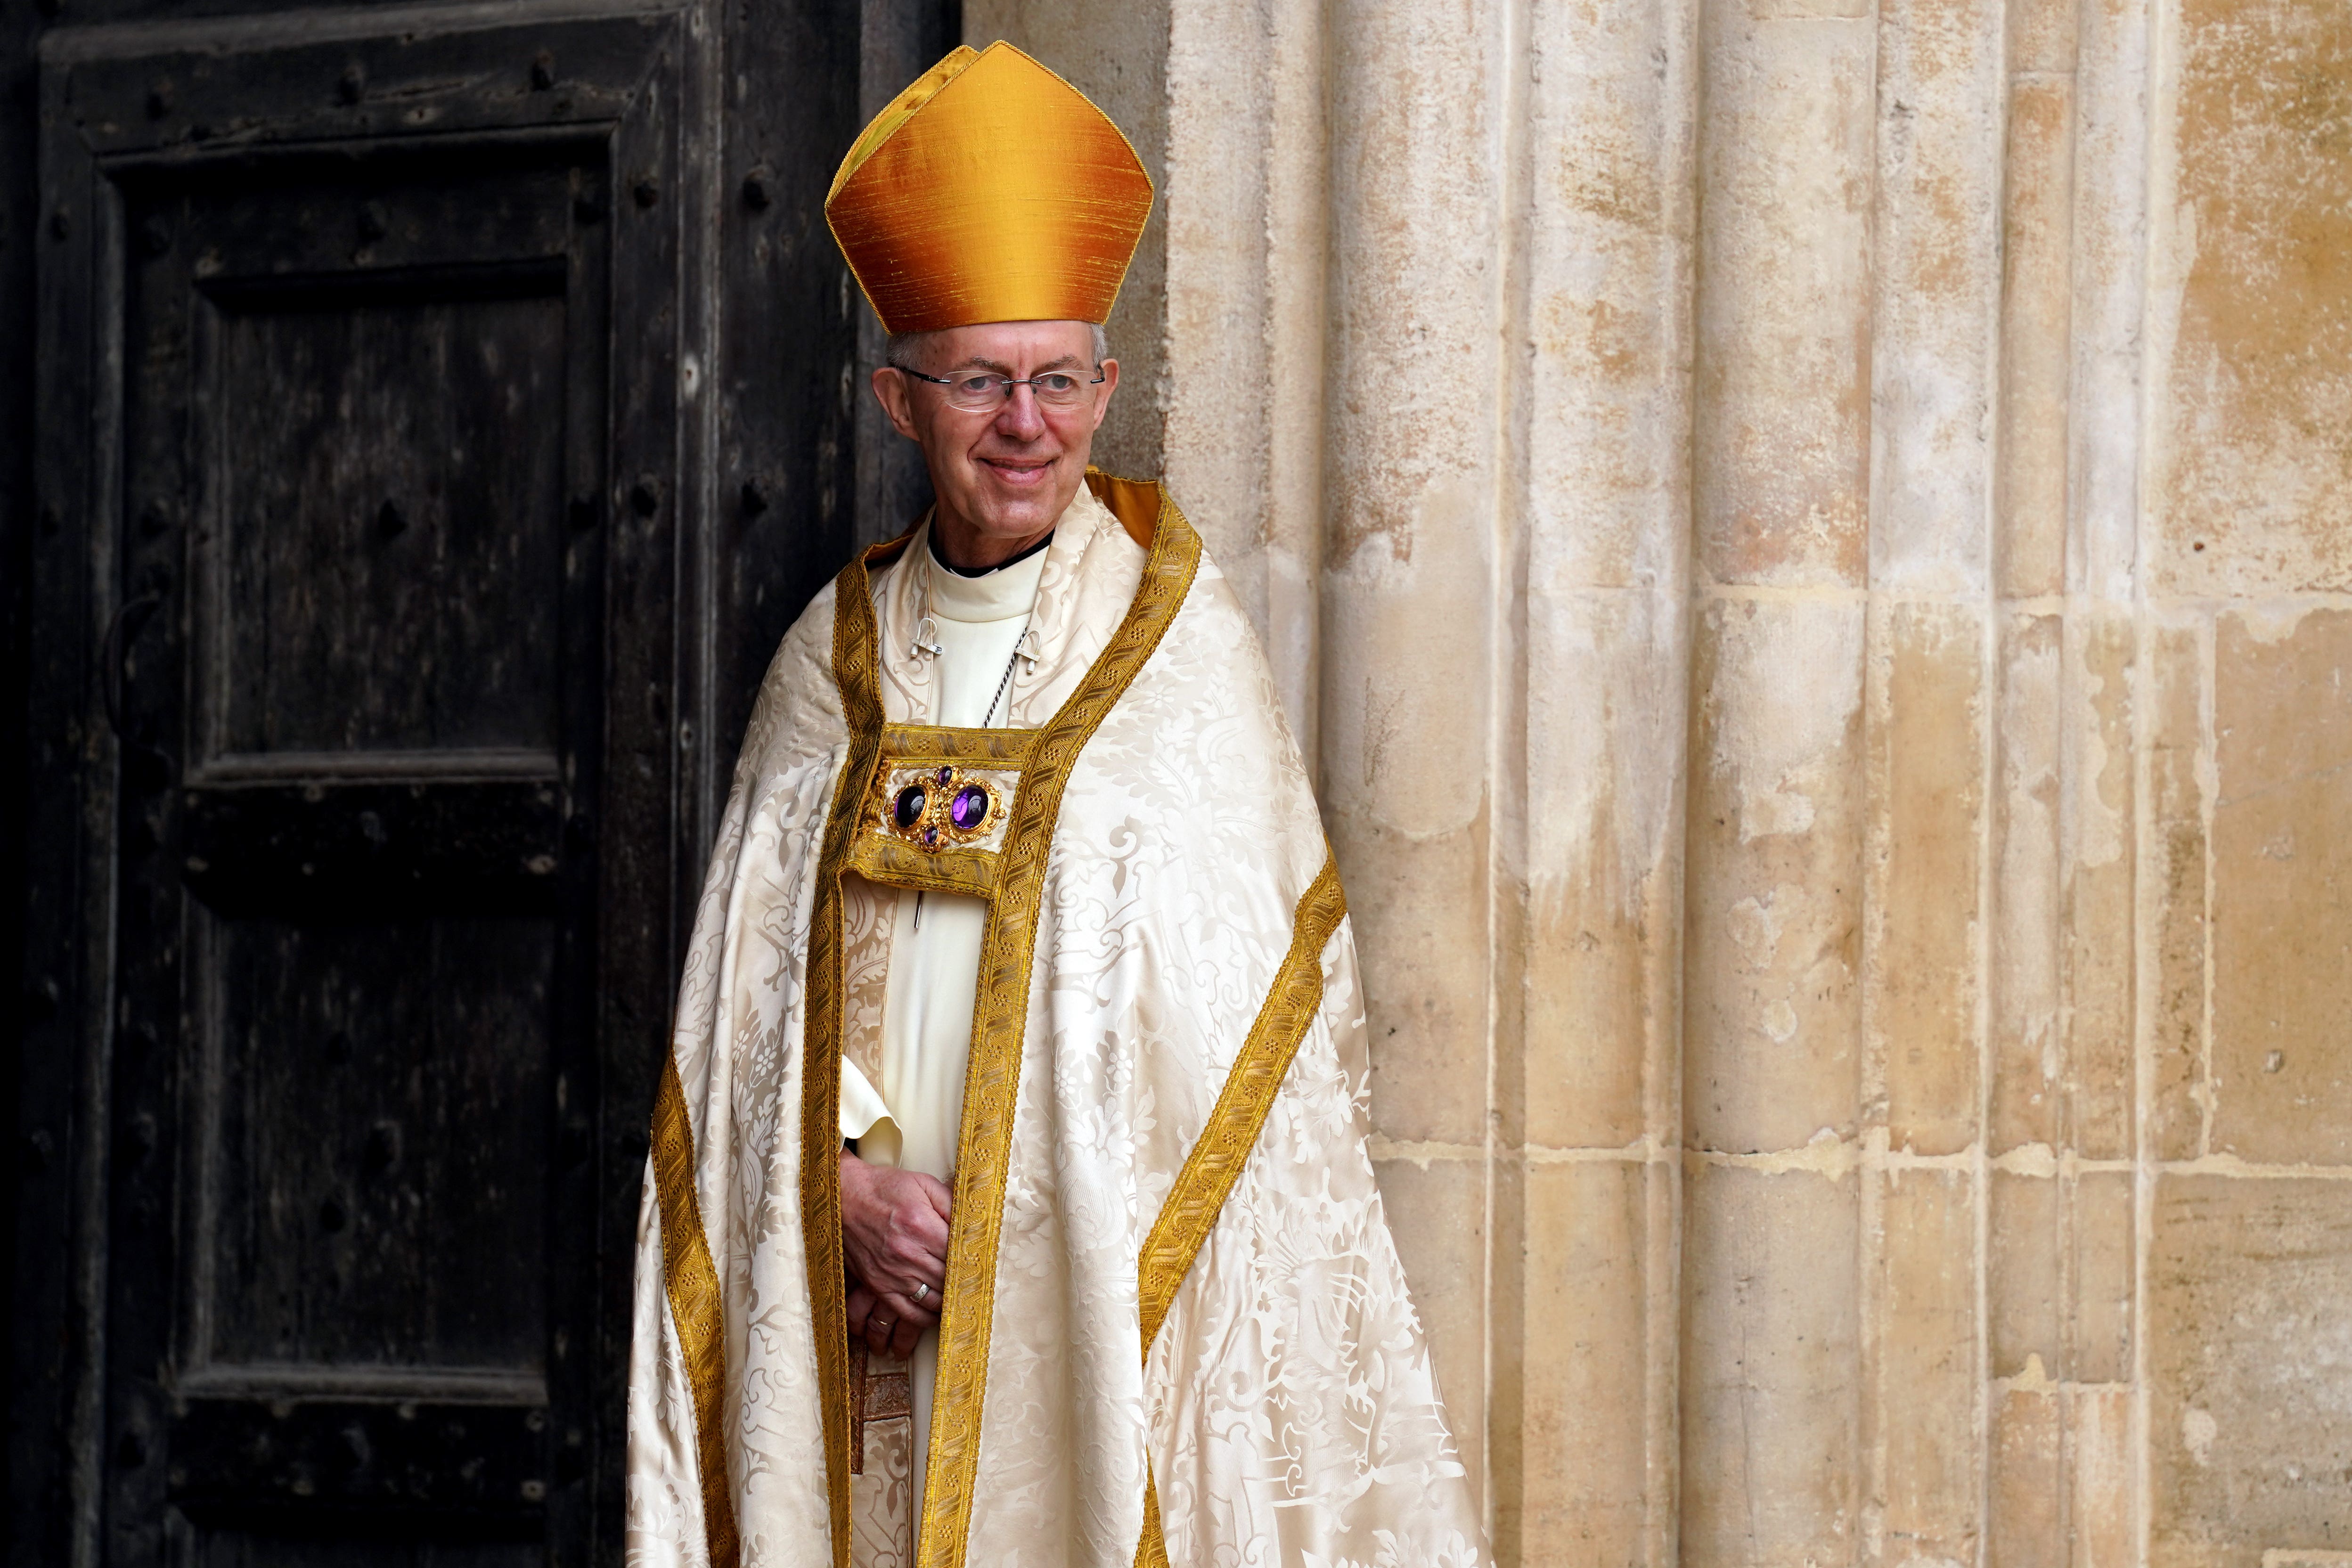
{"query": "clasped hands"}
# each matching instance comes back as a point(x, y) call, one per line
point(894, 1237)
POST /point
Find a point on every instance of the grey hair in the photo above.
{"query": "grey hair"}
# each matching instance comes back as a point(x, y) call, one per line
point(905, 350)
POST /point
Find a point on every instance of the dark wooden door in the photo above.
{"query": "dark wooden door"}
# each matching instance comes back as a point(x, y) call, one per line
point(444, 410)
point(364, 464)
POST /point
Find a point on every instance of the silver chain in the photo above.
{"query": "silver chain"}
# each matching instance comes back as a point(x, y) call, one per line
point(1004, 682)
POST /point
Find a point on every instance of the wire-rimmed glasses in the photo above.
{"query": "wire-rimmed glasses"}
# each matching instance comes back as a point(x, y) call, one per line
point(985, 391)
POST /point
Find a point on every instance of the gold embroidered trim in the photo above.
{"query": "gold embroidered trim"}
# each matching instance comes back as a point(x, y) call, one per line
point(893, 864)
point(857, 1361)
point(1151, 1548)
point(936, 744)
point(999, 1022)
point(692, 1285)
point(854, 672)
point(1190, 1211)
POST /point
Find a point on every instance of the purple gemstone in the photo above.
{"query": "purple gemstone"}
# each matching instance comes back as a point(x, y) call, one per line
point(931, 835)
point(945, 775)
point(908, 808)
point(970, 808)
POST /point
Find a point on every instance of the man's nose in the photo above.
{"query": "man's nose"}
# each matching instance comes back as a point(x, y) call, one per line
point(1020, 418)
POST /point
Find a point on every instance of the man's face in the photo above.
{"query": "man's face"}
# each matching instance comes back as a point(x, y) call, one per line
point(1002, 478)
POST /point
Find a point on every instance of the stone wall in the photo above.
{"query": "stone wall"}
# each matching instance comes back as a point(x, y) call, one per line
point(1811, 543)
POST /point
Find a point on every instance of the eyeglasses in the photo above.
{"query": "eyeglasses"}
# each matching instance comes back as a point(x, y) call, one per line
point(984, 392)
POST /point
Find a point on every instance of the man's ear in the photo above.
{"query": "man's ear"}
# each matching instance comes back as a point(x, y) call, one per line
point(890, 391)
point(1110, 385)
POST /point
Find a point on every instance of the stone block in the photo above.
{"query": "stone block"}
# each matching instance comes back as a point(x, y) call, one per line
point(2099, 1239)
point(1607, 384)
point(1781, 402)
point(2060, 1462)
point(1407, 607)
point(1771, 1458)
point(2111, 316)
point(2249, 1368)
point(1423, 961)
point(2249, 493)
point(2041, 40)
point(2059, 1275)
point(1436, 1210)
point(2096, 838)
point(1602, 946)
point(1773, 885)
point(1924, 1338)
point(2102, 1462)
point(1408, 814)
point(2282, 929)
point(2173, 892)
point(1926, 782)
point(1936, 267)
point(2025, 1504)
point(1413, 385)
point(2024, 1282)
point(2036, 314)
point(2025, 916)
point(1594, 1467)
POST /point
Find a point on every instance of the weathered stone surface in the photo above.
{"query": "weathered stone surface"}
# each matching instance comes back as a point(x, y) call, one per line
point(1601, 981)
point(2282, 886)
point(2026, 1504)
point(1585, 1376)
point(1774, 887)
point(1423, 967)
point(1603, 382)
point(1924, 955)
point(1780, 443)
point(2023, 1284)
point(1770, 1368)
point(1410, 551)
point(2059, 1279)
point(2252, 493)
point(2173, 894)
point(2037, 303)
point(2097, 820)
point(1937, 269)
point(2250, 1369)
point(2062, 1477)
point(2100, 1238)
point(2024, 981)
point(2104, 1464)
point(1921, 1346)
point(2042, 35)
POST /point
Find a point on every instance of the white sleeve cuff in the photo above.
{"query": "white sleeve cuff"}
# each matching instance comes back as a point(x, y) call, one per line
point(861, 1107)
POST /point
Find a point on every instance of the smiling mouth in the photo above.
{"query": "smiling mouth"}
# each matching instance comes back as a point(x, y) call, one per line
point(1018, 473)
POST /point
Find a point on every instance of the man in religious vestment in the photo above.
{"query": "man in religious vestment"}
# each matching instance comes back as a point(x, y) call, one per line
point(1010, 1198)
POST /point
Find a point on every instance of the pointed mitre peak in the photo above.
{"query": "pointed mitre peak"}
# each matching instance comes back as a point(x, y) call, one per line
point(990, 190)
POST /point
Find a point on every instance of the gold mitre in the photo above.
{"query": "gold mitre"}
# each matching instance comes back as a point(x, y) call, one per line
point(990, 190)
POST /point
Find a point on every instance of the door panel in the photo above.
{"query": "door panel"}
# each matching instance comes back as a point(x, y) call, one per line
point(372, 1117)
point(424, 618)
point(358, 401)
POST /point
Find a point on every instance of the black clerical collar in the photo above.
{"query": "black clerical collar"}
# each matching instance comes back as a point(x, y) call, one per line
point(984, 571)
